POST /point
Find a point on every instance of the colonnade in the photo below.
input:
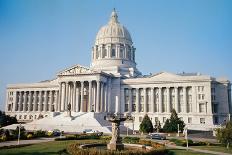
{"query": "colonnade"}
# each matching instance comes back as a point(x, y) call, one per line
point(42, 100)
point(84, 96)
point(122, 51)
point(158, 99)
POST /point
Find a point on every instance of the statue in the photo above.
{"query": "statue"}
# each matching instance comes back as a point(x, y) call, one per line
point(69, 110)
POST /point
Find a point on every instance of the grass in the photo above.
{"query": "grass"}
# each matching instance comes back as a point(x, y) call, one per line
point(185, 152)
point(49, 148)
point(53, 148)
point(217, 148)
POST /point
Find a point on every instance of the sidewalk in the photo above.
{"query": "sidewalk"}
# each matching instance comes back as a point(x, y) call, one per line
point(196, 150)
point(32, 141)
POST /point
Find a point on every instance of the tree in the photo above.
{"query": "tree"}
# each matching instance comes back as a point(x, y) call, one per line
point(171, 125)
point(224, 134)
point(6, 119)
point(146, 125)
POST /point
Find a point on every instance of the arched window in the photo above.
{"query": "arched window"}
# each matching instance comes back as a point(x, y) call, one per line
point(113, 53)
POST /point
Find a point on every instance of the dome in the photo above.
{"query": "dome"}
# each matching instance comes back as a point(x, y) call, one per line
point(113, 32)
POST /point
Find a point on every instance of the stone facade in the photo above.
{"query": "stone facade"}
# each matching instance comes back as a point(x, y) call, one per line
point(203, 102)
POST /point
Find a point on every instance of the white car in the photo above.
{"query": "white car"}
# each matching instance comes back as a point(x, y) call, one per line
point(89, 131)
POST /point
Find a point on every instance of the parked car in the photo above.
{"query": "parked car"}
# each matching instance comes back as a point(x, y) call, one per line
point(89, 131)
point(157, 136)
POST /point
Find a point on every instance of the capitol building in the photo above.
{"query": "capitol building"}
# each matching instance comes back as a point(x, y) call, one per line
point(113, 83)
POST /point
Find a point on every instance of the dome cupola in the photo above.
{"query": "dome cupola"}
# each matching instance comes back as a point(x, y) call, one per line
point(113, 51)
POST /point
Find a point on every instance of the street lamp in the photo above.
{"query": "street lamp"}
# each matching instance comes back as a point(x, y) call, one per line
point(19, 132)
point(186, 136)
point(178, 130)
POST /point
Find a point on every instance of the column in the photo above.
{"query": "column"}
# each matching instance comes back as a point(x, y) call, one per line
point(102, 98)
point(15, 101)
point(152, 100)
point(130, 100)
point(90, 97)
point(66, 96)
point(137, 100)
point(160, 100)
point(82, 96)
point(176, 100)
point(35, 101)
point(59, 98)
point(51, 101)
point(109, 96)
point(40, 101)
point(185, 100)
point(106, 98)
point(20, 101)
point(25, 101)
point(168, 100)
point(57, 103)
point(74, 95)
point(63, 96)
point(97, 97)
point(145, 99)
point(45, 101)
point(78, 100)
point(29, 102)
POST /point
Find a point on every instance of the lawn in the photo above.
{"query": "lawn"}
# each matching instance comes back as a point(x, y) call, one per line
point(185, 152)
point(214, 148)
point(50, 148)
point(53, 148)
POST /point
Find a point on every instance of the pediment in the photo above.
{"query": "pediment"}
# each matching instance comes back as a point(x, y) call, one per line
point(77, 69)
point(164, 76)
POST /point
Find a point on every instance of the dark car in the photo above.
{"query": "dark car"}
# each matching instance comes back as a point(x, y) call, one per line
point(157, 136)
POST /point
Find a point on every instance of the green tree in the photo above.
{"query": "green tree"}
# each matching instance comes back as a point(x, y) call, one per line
point(6, 119)
point(146, 125)
point(171, 125)
point(224, 134)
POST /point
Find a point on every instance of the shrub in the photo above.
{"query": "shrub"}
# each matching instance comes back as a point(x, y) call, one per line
point(106, 138)
point(79, 137)
point(131, 140)
point(74, 149)
point(182, 142)
point(40, 133)
point(145, 142)
point(146, 125)
point(29, 136)
point(3, 138)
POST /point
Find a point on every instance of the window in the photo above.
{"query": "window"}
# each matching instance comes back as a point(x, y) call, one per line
point(164, 119)
point(156, 119)
point(113, 54)
point(133, 107)
point(202, 120)
point(212, 90)
point(200, 88)
point(140, 119)
point(215, 120)
point(215, 108)
point(201, 107)
point(126, 107)
point(121, 53)
point(189, 119)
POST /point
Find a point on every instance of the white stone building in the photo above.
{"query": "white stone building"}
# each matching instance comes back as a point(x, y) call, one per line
point(200, 100)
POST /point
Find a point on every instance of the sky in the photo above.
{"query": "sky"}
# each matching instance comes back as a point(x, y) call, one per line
point(40, 38)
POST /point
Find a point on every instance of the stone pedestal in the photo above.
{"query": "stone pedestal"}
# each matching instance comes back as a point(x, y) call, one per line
point(116, 141)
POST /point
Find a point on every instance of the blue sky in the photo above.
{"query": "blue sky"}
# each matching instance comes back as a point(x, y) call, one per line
point(40, 38)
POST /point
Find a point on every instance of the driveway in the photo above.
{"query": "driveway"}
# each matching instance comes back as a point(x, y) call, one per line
point(21, 142)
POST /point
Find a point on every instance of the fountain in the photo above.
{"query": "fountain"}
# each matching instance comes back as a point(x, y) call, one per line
point(116, 119)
